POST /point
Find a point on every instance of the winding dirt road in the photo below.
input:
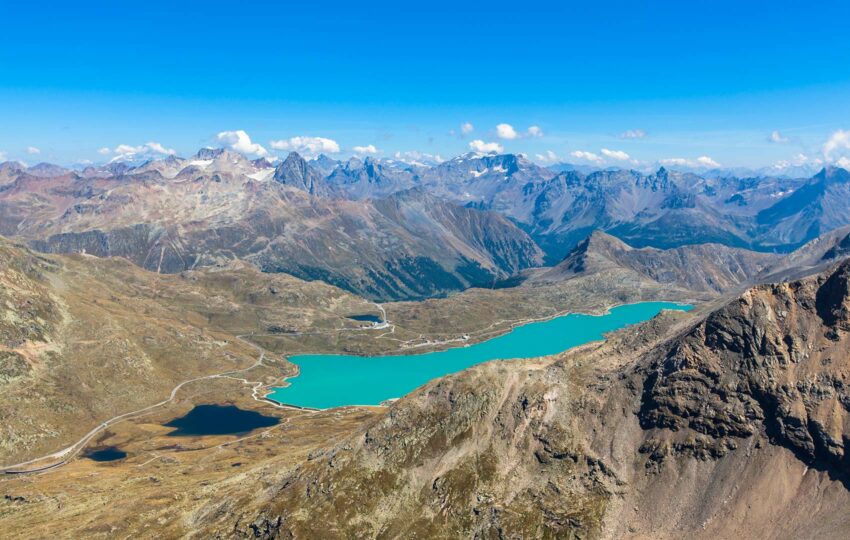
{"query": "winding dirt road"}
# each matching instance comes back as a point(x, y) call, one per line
point(66, 454)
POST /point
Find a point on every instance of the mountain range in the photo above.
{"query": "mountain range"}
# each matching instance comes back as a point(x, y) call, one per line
point(731, 421)
point(173, 214)
point(682, 423)
point(391, 230)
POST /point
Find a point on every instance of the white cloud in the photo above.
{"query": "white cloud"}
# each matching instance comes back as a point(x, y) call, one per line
point(548, 157)
point(677, 161)
point(159, 149)
point(837, 144)
point(802, 159)
point(466, 128)
point(32, 150)
point(486, 148)
point(700, 162)
point(239, 141)
point(307, 146)
point(414, 157)
point(777, 137)
point(799, 159)
point(2, 156)
point(633, 134)
point(127, 151)
point(615, 154)
point(586, 156)
point(707, 161)
point(104, 151)
point(535, 131)
point(844, 163)
point(506, 131)
point(368, 149)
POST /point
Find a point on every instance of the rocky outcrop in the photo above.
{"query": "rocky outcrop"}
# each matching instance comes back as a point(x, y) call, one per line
point(773, 361)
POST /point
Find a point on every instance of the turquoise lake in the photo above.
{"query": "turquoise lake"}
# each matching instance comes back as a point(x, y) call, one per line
point(336, 380)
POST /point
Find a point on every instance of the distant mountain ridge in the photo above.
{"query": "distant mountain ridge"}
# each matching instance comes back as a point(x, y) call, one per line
point(331, 220)
point(176, 214)
point(701, 267)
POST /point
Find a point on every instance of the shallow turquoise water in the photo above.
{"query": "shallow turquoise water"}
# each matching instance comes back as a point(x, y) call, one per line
point(336, 380)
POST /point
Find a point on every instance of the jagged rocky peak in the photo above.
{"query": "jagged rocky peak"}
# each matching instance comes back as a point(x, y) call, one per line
point(841, 246)
point(594, 253)
point(208, 153)
point(370, 178)
point(296, 172)
point(12, 166)
point(832, 173)
point(262, 163)
point(325, 164)
point(710, 268)
point(9, 170)
point(506, 164)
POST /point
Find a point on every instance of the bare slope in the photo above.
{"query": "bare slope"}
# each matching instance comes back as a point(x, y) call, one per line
point(84, 339)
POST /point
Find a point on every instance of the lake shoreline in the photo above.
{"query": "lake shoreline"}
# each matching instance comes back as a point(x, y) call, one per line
point(331, 379)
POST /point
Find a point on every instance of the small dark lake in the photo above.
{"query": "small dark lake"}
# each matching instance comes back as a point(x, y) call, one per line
point(105, 453)
point(366, 318)
point(219, 420)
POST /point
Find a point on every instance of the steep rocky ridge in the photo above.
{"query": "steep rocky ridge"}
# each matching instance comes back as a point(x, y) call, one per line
point(295, 171)
point(811, 257)
point(370, 178)
point(702, 267)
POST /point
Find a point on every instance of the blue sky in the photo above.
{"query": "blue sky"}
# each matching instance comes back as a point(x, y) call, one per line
point(685, 79)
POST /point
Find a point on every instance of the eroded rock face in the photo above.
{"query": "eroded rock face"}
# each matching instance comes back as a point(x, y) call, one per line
point(562, 448)
point(774, 361)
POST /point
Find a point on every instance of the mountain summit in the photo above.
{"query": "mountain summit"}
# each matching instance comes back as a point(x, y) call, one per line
point(295, 171)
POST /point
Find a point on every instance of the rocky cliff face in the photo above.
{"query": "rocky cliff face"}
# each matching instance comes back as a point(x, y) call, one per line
point(369, 178)
point(774, 361)
point(644, 435)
